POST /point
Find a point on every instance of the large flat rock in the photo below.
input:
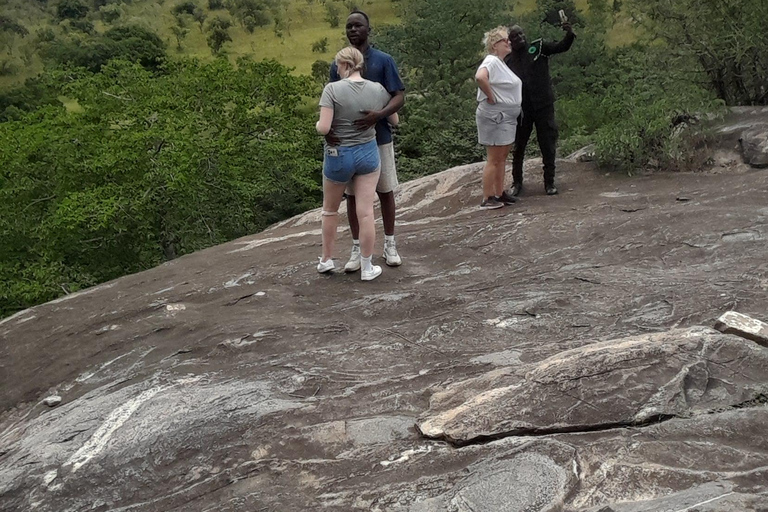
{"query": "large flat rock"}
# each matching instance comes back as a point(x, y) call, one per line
point(628, 381)
point(237, 378)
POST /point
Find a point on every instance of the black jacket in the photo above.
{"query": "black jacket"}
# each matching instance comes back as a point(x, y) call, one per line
point(532, 66)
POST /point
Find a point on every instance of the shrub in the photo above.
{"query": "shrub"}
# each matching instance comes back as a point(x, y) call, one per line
point(187, 7)
point(163, 165)
point(321, 71)
point(320, 46)
point(71, 10)
point(218, 34)
point(132, 43)
point(110, 13)
point(332, 14)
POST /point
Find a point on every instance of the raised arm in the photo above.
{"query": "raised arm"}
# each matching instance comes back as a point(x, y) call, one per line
point(561, 46)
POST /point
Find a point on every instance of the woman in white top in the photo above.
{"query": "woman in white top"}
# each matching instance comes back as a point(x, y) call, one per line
point(355, 159)
point(499, 98)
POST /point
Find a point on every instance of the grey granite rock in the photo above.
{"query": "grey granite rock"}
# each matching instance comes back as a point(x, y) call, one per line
point(276, 389)
point(628, 381)
point(754, 146)
point(744, 326)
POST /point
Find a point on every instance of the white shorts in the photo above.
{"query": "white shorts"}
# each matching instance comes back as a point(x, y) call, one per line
point(388, 177)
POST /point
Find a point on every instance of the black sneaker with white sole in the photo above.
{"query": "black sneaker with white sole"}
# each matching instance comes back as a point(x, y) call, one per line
point(491, 203)
point(506, 198)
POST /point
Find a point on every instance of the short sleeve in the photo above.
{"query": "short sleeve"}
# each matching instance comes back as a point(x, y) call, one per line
point(392, 82)
point(487, 63)
point(328, 98)
point(384, 96)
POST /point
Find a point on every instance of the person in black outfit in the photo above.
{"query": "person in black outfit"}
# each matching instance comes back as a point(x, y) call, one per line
point(531, 63)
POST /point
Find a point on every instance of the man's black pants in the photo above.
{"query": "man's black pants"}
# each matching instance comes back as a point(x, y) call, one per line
point(546, 133)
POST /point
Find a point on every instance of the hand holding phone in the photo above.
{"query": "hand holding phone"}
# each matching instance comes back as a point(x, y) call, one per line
point(563, 17)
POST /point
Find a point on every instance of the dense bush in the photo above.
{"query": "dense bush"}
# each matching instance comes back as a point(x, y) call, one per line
point(726, 41)
point(321, 70)
point(187, 7)
point(218, 33)
point(320, 46)
point(439, 130)
point(154, 166)
point(252, 13)
point(35, 93)
point(71, 10)
point(132, 43)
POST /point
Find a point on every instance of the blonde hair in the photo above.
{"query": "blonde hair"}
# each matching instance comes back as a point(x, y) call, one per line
point(352, 59)
point(493, 36)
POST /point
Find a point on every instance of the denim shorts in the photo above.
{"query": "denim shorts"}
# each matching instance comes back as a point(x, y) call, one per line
point(341, 163)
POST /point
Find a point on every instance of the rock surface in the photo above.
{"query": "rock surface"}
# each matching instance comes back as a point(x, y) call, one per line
point(744, 326)
point(754, 146)
point(625, 382)
point(237, 378)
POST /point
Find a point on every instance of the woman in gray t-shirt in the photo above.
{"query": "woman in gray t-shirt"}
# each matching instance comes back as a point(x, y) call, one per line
point(355, 158)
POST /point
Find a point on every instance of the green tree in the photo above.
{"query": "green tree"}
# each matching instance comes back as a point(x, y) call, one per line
point(332, 14)
point(71, 10)
point(153, 167)
point(439, 130)
point(218, 33)
point(179, 33)
point(320, 46)
point(726, 40)
point(133, 43)
point(187, 7)
point(321, 71)
point(253, 13)
point(10, 29)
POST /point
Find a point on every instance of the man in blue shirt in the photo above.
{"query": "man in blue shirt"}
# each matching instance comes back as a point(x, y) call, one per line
point(379, 67)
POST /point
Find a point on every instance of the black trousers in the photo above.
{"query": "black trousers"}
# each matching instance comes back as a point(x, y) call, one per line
point(546, 133)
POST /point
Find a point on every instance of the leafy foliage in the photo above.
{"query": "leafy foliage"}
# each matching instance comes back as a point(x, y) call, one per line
point(727, 40)
point(252, 13)
point(154, 166)
point(439, 115)
point(71, 10)
point(132, 43)
point(320, 46)
point(321, 69)
point(332, 14)
point(218, 33)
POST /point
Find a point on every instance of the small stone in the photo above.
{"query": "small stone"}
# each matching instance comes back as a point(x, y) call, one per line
point(52, 401)
point(743, 326)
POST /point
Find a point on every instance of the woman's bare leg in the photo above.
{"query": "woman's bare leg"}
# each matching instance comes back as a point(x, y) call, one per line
point(493, 173)
point(365, 194)
point(332, 196)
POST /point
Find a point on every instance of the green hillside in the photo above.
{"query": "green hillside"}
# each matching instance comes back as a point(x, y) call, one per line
point(290, 30)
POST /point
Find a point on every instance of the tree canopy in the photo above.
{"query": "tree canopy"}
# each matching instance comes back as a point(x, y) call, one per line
point(153, 166)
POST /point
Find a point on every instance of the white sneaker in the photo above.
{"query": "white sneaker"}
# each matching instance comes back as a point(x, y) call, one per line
point(370, 275)
point(325, 266)
point(353, 265)
point(391, 256)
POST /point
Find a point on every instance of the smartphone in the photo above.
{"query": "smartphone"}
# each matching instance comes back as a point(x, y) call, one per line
point(563, 17)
